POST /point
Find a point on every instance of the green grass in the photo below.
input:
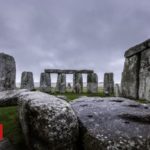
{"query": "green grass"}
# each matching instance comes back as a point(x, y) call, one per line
point(71, 96)
point(12, 130)
point(143, 101)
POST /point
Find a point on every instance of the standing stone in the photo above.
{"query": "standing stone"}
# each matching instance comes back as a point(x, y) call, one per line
point(27, 81)
point(144, 75)
point(109, 84)
point(61, 83)
point(117, 90)
point(7, 72)
point(58, 82)
point(78, 82)
point(92, 83)
point(129, 82)
point(69, 86)
point(45, 82)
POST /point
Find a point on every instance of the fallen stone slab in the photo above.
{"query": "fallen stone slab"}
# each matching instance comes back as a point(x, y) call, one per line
point(10, 97)
point(47, 122)
point(6, 145)
point(112, 124)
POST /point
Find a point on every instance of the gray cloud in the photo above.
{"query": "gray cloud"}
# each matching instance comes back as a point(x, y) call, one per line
point(92, 34)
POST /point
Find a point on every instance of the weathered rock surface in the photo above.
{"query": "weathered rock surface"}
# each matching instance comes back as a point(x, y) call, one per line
point(136, 74)
point(138, 48)
point(10, 97)
point(70, 71)
point(47, 122)
point(62, 97)
point(77, 82)
point(27, 81)
point(129, 82)
point(109, 83)
point(6, 145)
point(61, 83)
point(113, 124)
point(117, 90)
point(92, 83)
point(7, 72)
point(144, 75)
point(45, 82)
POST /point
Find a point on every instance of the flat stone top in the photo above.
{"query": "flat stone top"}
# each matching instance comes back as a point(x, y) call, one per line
point(113, 117)
point(138, 48)
point(6, 55)
point(67, 71)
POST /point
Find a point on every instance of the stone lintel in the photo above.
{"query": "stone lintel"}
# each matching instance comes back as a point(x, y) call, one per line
point(68, 71)
point(137, 48)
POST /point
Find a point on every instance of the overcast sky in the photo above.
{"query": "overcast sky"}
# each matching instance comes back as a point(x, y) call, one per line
point(72, 34)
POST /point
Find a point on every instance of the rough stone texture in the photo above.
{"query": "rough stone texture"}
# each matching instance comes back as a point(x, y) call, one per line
point(61, 83)
point(6, 145)
point(77, 82)
point(45, 82)
point(10, 97)
point(117, 90)
point(67, 71)
point(144, 75)
point(138, 48)
point(27, 81)
point(7, 72)
point(109, 83)
point(129, 83)
point(92, 83)
point(62, 97)
point(136, 75)
point(113, 124)
point(47, 122)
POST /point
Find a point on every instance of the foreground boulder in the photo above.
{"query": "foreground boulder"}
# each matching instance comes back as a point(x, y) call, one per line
point(47, 122)
point(113, 124)
point(7, 72)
